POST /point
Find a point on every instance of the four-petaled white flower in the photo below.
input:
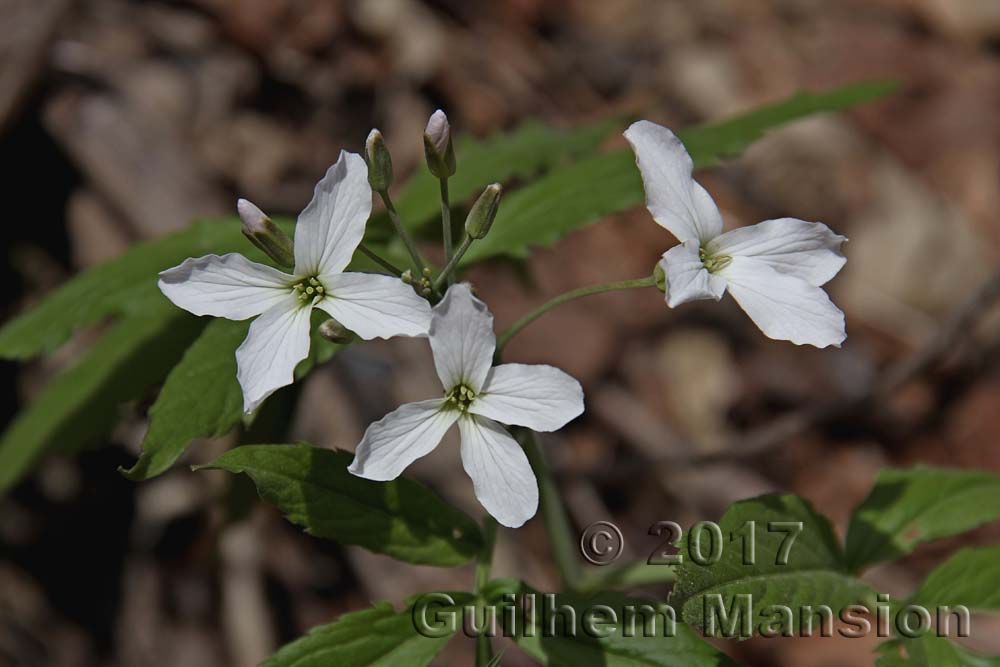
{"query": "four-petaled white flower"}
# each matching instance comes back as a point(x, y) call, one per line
point(326, 234)
point(477, 396)
point(773, 269)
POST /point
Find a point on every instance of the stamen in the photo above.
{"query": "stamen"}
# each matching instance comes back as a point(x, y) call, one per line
point(308, 288)
point(713, 263)
point(460, 397)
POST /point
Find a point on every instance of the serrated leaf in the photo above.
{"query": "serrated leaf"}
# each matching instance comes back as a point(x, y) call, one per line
point(570, 198)
point(812, 574)
point(376, 637)
point(126, 284)
point(82, 402)
point(930, 651)
point(907, 507)
point(612, 630)
point(971, 577)
point(313, 488)
point(524, 152)
point(201, 398)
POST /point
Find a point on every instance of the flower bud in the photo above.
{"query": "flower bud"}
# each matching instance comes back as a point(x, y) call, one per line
point(379, 162)
point(335, 332)
point(481, 216)
point(263, 233)
point(438, 147)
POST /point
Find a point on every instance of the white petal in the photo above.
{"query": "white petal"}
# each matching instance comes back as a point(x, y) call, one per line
point(501, 475)
point(333, 224)
point(686, 276)
point(400, 438)
point(375, 306)
point(462, 338)
point(537, 396)
point(229, 286)
point(277, 341)
point(675, 199)
point(809, 250)
point(783, 306)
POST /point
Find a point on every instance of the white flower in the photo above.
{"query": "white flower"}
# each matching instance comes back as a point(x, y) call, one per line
point(326, 234)
point(539, 397)
point(773, 269)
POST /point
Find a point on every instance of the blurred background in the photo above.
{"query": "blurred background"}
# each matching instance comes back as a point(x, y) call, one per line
point(122, 121)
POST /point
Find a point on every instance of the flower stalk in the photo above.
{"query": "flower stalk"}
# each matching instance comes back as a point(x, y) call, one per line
point(505, 337)
point(446, 224)
point(384, 263)
point(557, 525)
point(397, 223)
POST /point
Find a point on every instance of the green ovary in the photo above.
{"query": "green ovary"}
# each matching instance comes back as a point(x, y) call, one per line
point(713, 263)
point(460, 398)
point(309, 289)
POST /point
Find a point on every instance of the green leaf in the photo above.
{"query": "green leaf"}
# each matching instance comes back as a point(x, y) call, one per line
point(126, 284)
point(930, 651)
point(711, 142)
point(82, 402)
point(971, 577)
point(611, 630)
point(200, 399)
point(567, 199)
point(522, 153)
point(376, 637)
point(795, 562)
point(314, 489)
point(907, 507)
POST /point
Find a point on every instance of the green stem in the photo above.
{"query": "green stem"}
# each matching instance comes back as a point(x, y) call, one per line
point(446, 222)
point(484, 648)
point(485, 561)
point(557, 525)
point(505, 337)
point(403, 234)
point(384, 263)
point(445, 275)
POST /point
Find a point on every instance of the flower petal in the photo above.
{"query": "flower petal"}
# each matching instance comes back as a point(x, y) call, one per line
point(400, 438)
point(675, 199)
point(277, 341)
point(229, 286)
point(501, 475)
point(809, 250)
point(540, 397)
point(462, 338)
point(332, 225)
point(783, 306)
point(375, 306)
point(687, 278)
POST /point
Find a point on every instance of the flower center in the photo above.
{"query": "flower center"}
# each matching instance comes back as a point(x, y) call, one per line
point(460, 398)
point(713, 263)
point(309, 289)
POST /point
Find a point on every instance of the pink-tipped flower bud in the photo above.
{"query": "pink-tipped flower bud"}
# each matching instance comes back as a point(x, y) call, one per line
point(438, 146)
point(265, 234)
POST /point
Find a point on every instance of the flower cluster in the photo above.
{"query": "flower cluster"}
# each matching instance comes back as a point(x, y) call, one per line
point(774, 270)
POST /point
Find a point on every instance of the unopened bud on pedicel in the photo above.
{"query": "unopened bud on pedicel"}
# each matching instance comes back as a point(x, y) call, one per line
point(335, 332)
point(480, 218)
point(438, 147)
point(263, 233)
point(379, 162)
